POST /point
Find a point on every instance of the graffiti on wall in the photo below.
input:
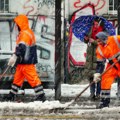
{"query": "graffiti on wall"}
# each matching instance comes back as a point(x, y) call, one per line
point(100, 5)
point(45, 33)
point(33, 7)
point(77, 49)
point(48, 3)
point(44, 29)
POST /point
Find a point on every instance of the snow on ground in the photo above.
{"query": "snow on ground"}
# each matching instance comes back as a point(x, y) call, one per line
point(73, 90)
point(39, 108)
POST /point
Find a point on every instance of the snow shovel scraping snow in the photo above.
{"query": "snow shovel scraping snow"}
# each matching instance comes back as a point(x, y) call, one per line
point(72, 101)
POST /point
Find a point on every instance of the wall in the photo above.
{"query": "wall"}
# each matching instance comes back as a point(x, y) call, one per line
point(33, 7)
point(101, 6)
point(41, 19)
point(77, 49)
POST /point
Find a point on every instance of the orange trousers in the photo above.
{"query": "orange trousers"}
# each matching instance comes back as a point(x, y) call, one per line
point(26, 72)
point(109, 77)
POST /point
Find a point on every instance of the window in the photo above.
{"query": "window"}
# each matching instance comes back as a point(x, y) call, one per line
point(5, 43)
point(113, 6)
point(4, 5)
point(44, 53)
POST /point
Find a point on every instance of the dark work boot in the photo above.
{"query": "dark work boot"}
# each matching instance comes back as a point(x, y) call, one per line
point(40, 95)
point(9, 97)
point(101, 105)
point(104, 103)
point(105, 99)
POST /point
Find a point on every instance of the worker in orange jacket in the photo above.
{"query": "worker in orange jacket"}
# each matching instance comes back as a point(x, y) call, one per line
point(111, 52)
point(25, 56)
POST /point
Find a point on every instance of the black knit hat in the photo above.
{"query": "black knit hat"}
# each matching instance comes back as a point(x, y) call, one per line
point(102, 36)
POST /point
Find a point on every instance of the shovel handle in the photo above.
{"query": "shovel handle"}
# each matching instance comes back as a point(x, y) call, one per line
point(93, 81)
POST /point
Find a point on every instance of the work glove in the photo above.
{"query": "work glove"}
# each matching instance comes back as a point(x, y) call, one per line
point(97, 77)
point(86, 38)
point(12, 60)
point(91, 40)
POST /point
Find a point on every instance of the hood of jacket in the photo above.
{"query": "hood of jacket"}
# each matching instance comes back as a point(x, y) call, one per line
point(22, 22)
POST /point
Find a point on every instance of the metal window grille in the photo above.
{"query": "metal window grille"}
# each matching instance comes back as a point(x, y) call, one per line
point(4, 5)
point(113, 6)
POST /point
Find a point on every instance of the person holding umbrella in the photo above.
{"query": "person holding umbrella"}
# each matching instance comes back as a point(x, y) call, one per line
point(91, 61)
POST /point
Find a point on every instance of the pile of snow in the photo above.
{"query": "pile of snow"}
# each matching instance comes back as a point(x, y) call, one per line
point(10, 108)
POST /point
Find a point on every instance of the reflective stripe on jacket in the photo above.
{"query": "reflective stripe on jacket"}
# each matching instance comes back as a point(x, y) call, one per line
point(99, 53)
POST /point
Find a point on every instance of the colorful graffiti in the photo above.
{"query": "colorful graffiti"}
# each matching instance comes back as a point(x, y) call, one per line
point(38, 5)
point(100, 5)
point(77, 49)
point(41, 15)
point(44, 30)
point(77, 4)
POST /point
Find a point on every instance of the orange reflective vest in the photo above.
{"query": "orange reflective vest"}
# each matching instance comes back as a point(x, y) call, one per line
point(25, 43)
point(111, 51)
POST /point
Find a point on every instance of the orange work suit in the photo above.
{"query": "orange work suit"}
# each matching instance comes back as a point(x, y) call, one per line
point(111, 51)
point(25, 70)
point(26, 54)
point(105, 52)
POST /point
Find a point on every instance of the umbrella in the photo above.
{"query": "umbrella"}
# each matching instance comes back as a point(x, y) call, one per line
point(82, 25)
